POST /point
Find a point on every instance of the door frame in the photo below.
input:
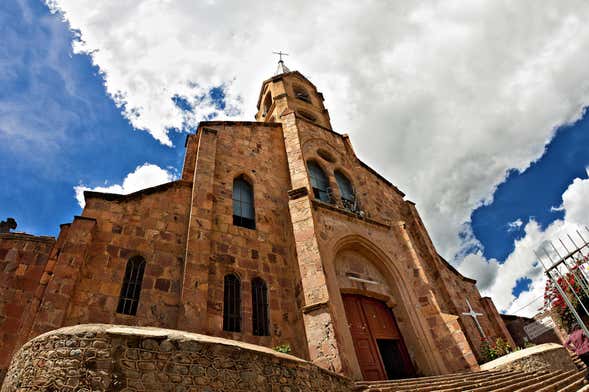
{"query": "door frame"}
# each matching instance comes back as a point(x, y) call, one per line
point(408, 364)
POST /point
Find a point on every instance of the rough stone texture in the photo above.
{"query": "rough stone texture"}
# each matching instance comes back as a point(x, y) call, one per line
point(121, 358)
point(544, 356)
point(304, 249)
point(23, 259)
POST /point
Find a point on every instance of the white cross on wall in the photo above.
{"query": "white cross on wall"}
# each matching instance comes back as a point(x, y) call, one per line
point(474, 316)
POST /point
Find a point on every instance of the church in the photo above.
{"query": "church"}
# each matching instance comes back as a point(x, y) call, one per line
point(276, 234)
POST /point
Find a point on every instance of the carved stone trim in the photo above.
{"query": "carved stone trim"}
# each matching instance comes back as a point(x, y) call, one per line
point(312, 307)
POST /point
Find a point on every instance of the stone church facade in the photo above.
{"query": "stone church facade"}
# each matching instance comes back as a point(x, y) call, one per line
point(276, 234)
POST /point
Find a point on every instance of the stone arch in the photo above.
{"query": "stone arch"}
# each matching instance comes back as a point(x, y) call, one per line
point(395, 293)
point(301, 92)
point(311, 145)
point(267, 103)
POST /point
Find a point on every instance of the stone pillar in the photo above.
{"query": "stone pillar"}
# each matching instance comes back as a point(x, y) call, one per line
point(442, 357)
point(194, 293)
point(66, 273)
point(317, 317)
point(496, 321)
point(435, 258)
point(30, 315)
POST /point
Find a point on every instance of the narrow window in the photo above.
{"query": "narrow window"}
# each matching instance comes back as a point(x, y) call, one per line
point(129, 298)
point(260, 307)
point(243, 204)
point(346, 190)
point(232, 304)
point(267, 103)
point(319, 182)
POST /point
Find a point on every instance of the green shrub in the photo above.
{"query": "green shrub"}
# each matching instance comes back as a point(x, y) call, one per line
point(283, 348)
point(491, 350)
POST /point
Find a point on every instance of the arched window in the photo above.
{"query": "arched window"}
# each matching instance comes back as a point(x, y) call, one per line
point(260, 307)
point(301, 94)
point(232, 304)
point(346, 190)
point(319, 182)
point(243, 204)
point(309, 116)
point(129, 298)
point(267, 103)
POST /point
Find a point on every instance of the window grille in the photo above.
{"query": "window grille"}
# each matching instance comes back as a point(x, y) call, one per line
point(232, 304)
point(129, 298)
point(243, 204)
point(319, 182)
point(260, 308)
point(346, 191)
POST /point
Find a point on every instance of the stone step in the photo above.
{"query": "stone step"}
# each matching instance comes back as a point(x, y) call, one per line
point(463, 384)
point(427, 378)
point(528, 379)
point(578, 362)
point(575, 386)
point(508, 384)
point(443, 385)
point(437, 383)
point(536, 380)
point(504, 385)
point(496, 381)
point(470, 383)
point(563, 382)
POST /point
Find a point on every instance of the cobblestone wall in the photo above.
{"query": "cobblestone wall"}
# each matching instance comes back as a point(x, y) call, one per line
point(99, 357)
point(543, 356)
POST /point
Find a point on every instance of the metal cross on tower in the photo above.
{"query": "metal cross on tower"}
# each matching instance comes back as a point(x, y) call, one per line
point(474, 316)
point(281, 67)
point(280, 54)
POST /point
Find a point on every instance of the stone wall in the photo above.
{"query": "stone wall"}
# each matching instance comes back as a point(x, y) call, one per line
point(544, 356)
point(120, 358)
point(92, 254)
point(217, 247)
point(23, 259)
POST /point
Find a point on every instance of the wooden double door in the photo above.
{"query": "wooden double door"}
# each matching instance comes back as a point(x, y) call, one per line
point(379, 345)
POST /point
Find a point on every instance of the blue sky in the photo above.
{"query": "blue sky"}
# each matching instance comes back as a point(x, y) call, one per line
point(535, 193)
point(460, 113)
point(58, 127)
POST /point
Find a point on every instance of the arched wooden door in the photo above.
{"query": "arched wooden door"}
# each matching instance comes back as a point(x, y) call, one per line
point(379, 345)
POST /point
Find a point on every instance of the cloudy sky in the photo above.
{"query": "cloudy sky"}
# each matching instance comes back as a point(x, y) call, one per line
point(476, 110)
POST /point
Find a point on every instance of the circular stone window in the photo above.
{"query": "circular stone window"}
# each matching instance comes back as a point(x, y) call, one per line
point(325, 155)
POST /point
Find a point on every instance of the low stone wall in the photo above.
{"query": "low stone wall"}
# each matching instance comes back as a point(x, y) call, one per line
point(543, 356)
point(99, 357)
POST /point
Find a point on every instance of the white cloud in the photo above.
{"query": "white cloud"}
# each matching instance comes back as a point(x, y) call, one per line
point(477, 267)
point(144, 176)
point(441, 97)
point(575, 201)
point(498, 280)
point(515, 225)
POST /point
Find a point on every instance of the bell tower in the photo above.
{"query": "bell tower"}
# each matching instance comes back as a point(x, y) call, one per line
point(290, 91)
